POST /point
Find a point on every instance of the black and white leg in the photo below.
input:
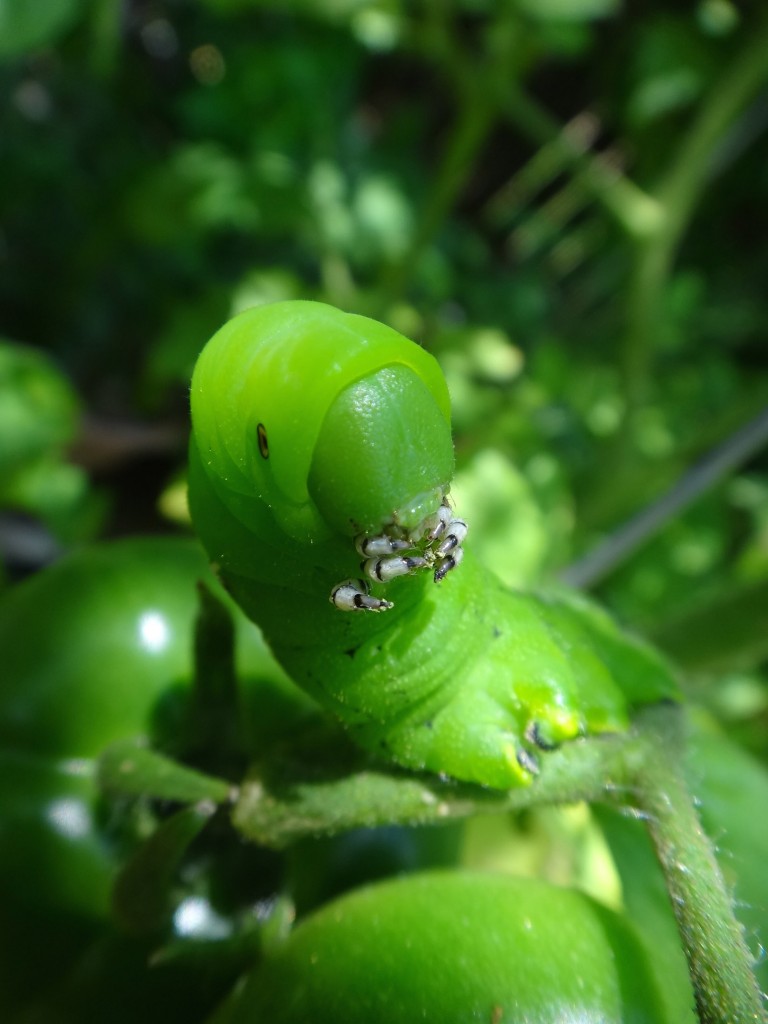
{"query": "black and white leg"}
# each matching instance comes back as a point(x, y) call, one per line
point(389, 567)
point(449, 552)
point(355, 596)
point(431, 527)
point(373, 547)
point(438, 538)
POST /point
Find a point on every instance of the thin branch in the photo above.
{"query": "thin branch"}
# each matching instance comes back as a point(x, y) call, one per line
point(717, 464)
point(636, 211)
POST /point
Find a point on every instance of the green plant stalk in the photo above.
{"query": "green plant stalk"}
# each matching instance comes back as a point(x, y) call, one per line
point(282, 802)
point(479, 89)
point(654, 250)
point(615, 549)
point(677, 195)
point(470, 130)
point(654, 220)
point(105, 31)
point(129, 769)
point(141, 895)
point(633, 209)
point(692, 166)
point(719, 961)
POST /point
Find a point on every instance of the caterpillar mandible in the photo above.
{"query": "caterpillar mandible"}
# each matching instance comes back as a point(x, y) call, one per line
point(321, 440)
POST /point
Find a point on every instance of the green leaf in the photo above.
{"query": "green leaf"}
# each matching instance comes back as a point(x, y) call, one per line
point(128, 769)
point(39, 410)
point(141, 898)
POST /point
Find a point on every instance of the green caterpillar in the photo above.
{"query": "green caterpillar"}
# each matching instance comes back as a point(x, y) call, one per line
point(321, 440)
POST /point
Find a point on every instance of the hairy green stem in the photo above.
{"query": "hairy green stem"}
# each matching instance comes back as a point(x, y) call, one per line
point(281, 803)
point(718, 958)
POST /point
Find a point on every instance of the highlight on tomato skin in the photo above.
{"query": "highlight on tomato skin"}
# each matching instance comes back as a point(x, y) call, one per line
point(456, 947)
point(97, 648)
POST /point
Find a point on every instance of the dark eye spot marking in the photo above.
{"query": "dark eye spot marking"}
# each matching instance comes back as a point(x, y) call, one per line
point(261, 433)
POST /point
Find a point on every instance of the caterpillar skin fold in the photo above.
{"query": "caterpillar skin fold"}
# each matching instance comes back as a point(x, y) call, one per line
point(320, 466)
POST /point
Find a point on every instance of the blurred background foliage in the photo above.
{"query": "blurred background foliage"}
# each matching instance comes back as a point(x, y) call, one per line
point(564, 200)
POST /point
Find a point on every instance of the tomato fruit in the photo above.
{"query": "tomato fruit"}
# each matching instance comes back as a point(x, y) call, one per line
point(95, 649)
point(454, 947)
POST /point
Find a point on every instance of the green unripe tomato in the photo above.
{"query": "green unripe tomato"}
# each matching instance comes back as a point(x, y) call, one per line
point(52, 854)
point(94, 650)
point(454, 948)
point(91, 647)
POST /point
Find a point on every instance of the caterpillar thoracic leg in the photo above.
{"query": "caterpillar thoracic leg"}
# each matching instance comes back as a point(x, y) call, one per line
point(354, 596)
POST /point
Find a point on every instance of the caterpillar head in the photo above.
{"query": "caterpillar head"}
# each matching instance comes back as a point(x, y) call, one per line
point(334, 426)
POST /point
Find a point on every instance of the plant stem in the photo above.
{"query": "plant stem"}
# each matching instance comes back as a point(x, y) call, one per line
point(718, 958)
point(707, 473)
point(654, 220)
point(679, 190)
point(693, 164)
point(637, 212)
point(470, 130)
point(284, 802)
point(479, 87)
